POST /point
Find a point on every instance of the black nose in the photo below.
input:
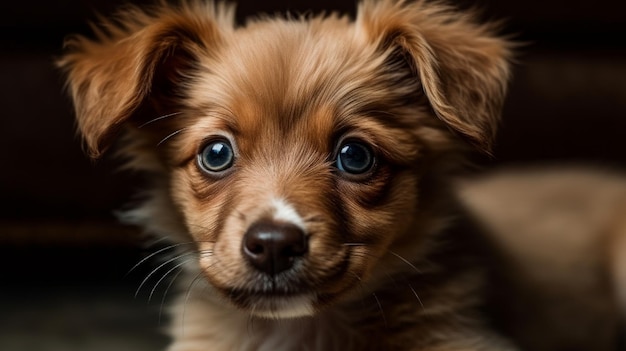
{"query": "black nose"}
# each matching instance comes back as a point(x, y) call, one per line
point(273, 247)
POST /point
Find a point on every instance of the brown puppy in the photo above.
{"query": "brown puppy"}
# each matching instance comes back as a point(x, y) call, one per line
point(299, 165)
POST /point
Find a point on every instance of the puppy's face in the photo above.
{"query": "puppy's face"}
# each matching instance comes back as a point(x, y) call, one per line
point(299, 164)
point(293, 150)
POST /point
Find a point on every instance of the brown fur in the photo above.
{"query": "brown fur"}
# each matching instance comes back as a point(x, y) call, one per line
point(416, 81)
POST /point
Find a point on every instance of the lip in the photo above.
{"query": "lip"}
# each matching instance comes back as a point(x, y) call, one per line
point(274, 304)
point(244, 296)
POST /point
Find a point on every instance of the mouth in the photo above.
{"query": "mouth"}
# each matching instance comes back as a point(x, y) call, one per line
point(285, 296)
point(275, 303)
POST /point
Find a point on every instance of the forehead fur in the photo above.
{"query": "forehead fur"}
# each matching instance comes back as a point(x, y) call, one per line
point(284, 68)
point(304, 82)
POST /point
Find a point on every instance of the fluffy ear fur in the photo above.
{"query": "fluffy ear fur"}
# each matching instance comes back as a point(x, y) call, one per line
point(136, 62)
point(463, 66)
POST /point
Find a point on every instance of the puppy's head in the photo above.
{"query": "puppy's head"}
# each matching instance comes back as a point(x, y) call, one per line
point(293, 150)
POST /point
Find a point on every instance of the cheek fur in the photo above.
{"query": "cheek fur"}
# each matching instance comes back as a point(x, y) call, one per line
point(375, 209)
point(203, 202)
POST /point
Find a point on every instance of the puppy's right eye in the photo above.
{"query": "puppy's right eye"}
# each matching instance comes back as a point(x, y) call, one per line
point(354, 158)
point(216, 156)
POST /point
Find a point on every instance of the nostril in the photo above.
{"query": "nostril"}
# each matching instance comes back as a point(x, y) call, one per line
point(273, 247)
point(255, 248)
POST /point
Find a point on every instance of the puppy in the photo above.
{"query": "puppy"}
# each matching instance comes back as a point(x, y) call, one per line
point(299, 166)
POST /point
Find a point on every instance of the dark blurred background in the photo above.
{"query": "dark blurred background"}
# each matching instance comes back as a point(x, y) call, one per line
point(63, 258)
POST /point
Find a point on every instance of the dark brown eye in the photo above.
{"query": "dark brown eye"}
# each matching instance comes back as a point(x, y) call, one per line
point(216, 156)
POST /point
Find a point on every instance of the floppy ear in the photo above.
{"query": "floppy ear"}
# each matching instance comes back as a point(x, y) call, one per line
point(138, 56)
point(463, 67)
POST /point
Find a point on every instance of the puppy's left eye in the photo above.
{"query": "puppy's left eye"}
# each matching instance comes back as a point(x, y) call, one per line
point(216, 156)
point(354, 158)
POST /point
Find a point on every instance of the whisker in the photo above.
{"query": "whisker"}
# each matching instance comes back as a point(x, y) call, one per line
point(354, 244)
point(380, 307)
point(418, 298)
point(205, 253)
point(165, 275)
point(365, 255)
point(167, 289)
point(159, 267)
point(356, 276)
point(156, 253)
point(156, 241)
point(405, 261)
point(160, 118)
point(171, 135)
point(360, 287)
